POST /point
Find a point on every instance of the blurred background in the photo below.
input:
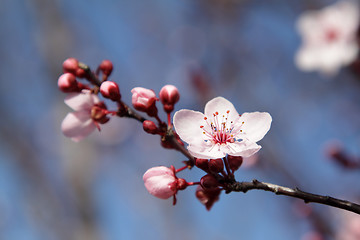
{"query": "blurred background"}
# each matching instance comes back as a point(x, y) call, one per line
point(52, 188)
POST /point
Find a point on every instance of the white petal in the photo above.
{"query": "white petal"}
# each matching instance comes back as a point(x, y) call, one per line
point(77, 125)
point(244, 149)
point(81, 101)
point(256, 125)
point(221, 105)
point(187, 125)
point(207, 152)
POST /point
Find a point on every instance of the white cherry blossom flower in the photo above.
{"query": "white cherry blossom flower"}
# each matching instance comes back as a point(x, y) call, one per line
point(221, 130)
point(328, 38)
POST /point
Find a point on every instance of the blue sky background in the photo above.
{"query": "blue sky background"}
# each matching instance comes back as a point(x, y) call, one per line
point(52, 188)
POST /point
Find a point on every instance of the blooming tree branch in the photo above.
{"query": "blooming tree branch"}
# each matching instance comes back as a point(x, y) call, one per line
point(217, 139)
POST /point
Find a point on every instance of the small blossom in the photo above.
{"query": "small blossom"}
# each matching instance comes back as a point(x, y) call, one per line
point(88, 112)
point(221, 130)
point(160, 182)
point(329, 38)
point(144, 100)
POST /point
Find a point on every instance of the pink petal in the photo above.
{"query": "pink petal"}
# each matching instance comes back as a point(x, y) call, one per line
point(77, 125)
point(256, 125)
point(81, 101)
point(221, 105)
point(187, 125)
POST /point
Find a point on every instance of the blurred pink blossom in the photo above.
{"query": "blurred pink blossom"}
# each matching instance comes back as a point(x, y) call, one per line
point(221, 130)
point(79, 124)
point(328, 38)
point(350, 227)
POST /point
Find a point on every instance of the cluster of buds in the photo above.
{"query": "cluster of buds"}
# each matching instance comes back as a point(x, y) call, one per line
point(144, 100)
point(163, 183)
point(89, 110)
point(217, 140)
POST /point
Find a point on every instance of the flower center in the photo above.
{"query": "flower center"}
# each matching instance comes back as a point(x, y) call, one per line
point(220, 129)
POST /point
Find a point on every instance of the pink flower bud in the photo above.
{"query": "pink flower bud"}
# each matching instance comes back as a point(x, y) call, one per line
point(160, 182)
point(70, 65)
point(207, 197)
point(169, 95)
point(110, 90)
point(150, 127)
point(67, 83)
point(216, 165)
point(106, 67)
point(202, 163)
point(144, 100)
point(234, 162)
point(208, 182)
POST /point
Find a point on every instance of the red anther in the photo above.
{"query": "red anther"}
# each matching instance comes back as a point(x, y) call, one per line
point(106, 67)
point(67, 83)
point(150, 127)
point(169, 95)
point(202, 164)
point(209, 182)
point(234, 162)
point(70, 65)
point(110, 90)
point(181, 184)
point(216, 165)
point(205, 118)
point(201, 126)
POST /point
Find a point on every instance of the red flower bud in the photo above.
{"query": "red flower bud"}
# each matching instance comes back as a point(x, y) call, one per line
point(181, 184)
point(234, 162)
point(202, 164)
point(106, 67)
point(110, 90)
point(208, 182)
point(169, 95)
point(80, 73)
point(70, 65)
point(207, 197)
point(150, 127)
point(67, 83)
point(216, 165)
